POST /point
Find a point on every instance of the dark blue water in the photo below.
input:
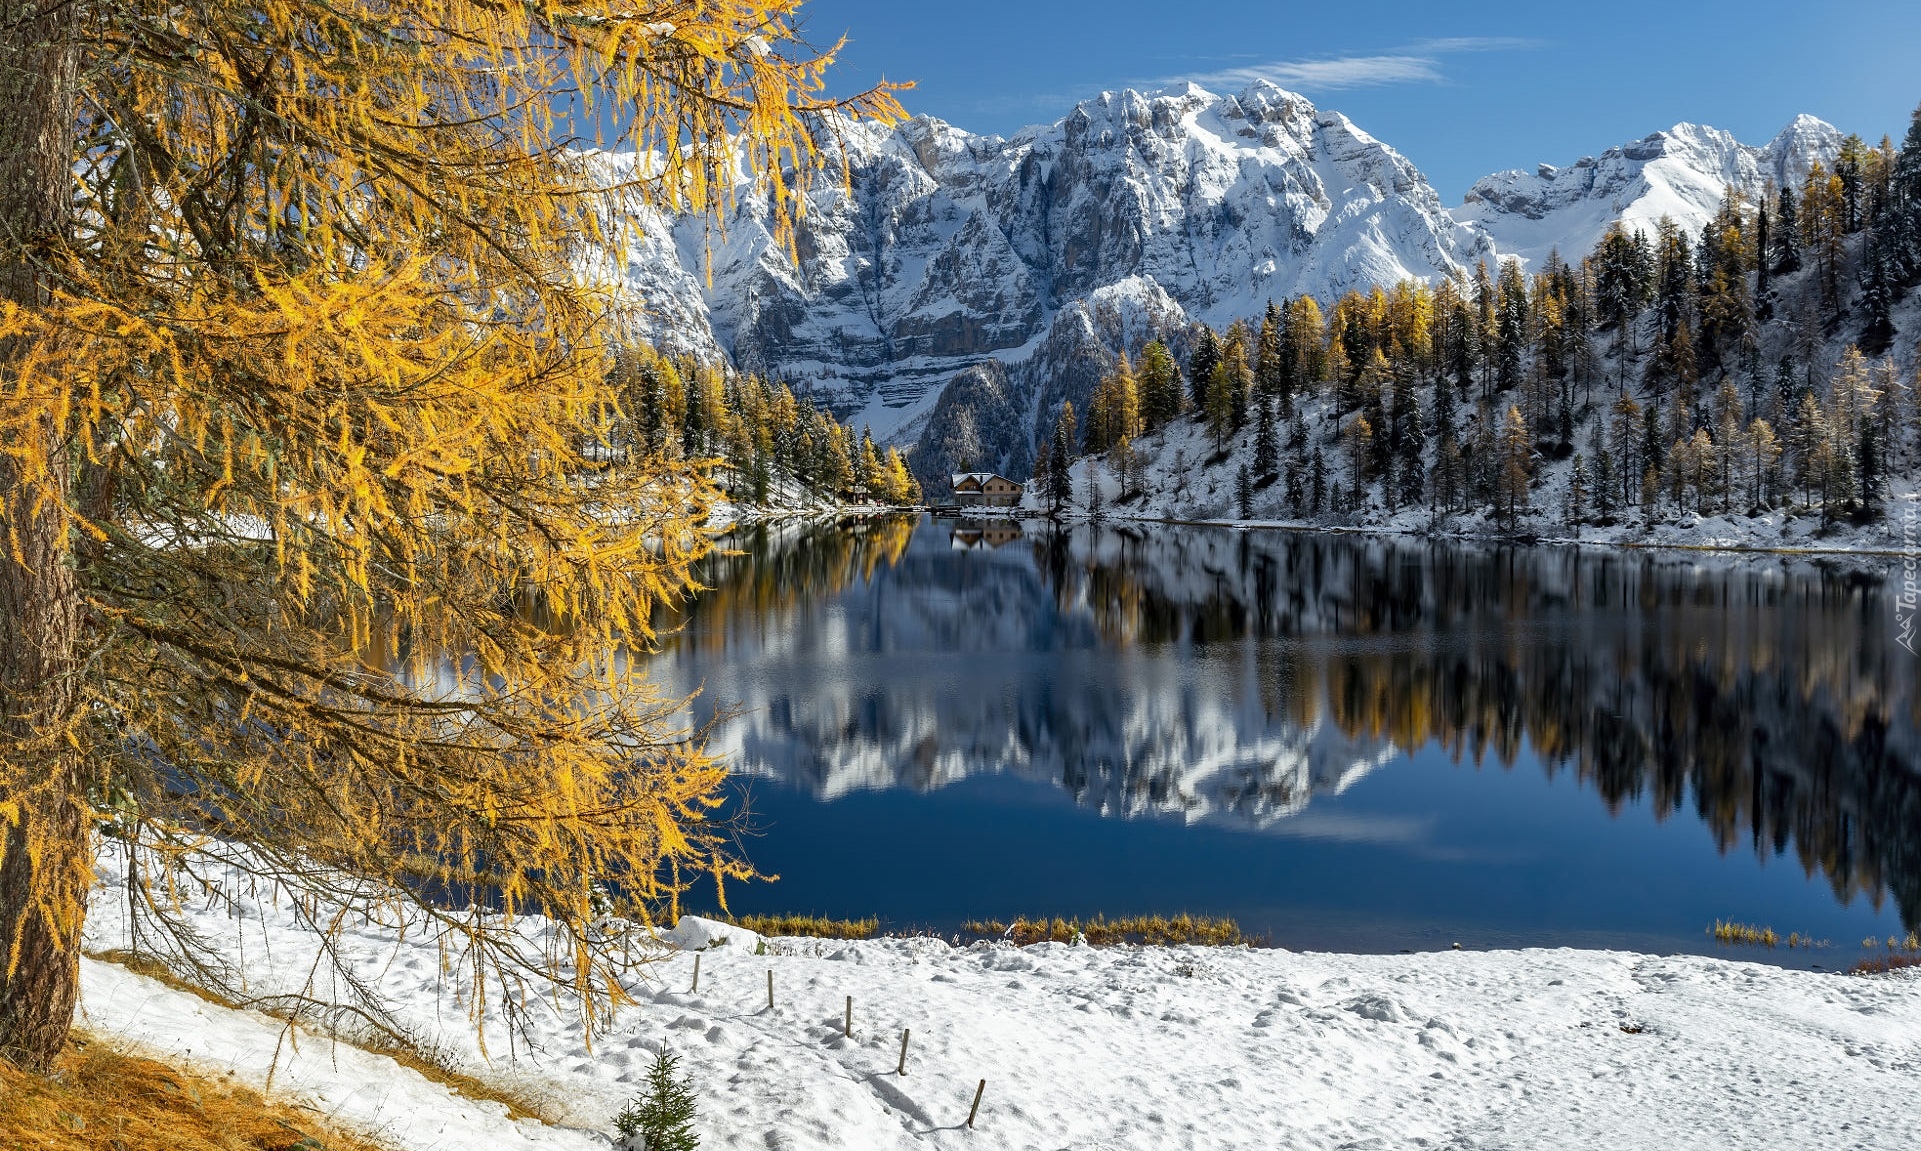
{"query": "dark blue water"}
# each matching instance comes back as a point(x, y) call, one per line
point(1341, 742)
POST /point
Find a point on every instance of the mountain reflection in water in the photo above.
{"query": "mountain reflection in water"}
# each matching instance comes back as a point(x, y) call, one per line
point(1232, 678)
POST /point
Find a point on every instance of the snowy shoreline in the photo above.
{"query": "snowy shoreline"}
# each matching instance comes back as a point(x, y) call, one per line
point(1705, 547)
point(1094, 1049)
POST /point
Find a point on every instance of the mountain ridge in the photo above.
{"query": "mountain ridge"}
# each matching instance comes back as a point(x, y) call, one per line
point(1133, 216)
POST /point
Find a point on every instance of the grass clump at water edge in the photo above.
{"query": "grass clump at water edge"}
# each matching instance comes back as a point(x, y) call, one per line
point(1100, 931)
point(814, 926)
point(1731, 934)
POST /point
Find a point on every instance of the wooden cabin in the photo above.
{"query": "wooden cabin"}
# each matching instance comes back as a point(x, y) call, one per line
point(985, 489)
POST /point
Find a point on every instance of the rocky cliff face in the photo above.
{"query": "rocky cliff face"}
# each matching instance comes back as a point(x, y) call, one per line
point(943, 249)
point(1681, 173)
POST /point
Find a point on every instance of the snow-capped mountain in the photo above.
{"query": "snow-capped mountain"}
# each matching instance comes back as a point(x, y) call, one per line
point(1681, 173)
point(943, 249)
point(1136, 214)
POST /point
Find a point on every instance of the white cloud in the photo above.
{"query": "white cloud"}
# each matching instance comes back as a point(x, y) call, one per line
point(1417, 63)
point(1332, 74)
point(1448, 44)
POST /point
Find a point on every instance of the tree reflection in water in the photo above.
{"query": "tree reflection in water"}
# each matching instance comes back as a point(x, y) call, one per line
point(1222, 675)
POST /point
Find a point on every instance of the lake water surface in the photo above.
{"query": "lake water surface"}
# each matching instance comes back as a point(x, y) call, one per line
point(1341, 741)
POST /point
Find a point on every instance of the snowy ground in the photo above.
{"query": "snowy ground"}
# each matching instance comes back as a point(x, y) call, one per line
point(1100, 1049)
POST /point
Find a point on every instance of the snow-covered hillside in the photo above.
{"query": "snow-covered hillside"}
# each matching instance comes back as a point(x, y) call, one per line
point(1121, 1048)
point(1680, 174)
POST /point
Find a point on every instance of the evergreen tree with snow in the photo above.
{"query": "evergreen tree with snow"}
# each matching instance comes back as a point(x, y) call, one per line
point(1200, 365)
point(1267, 458)
point(661, 1117)
point(1786, 252)
point(1244, 493)
point(1060, 481)
point(1577, 492)
point(1902, 216)
point(1160, 386)
point(1412, 447)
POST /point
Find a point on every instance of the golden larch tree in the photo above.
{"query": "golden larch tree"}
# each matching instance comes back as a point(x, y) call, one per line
point(320, 551)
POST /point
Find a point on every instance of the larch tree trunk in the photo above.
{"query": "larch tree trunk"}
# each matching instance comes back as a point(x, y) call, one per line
point(45, 852)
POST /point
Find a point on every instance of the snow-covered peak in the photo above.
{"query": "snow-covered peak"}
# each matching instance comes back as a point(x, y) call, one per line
point(1796, 147)
point(1681, 173)
point(944, 249)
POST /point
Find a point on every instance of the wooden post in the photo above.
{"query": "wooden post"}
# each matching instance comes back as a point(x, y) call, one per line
point(972, 1111)
point(770, 989)
point(695, 989)
point(847, 1024)
point(902, 1069)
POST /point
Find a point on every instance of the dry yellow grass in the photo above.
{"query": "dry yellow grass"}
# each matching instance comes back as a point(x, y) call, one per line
point(520, 1104)
point(1732, 934)
point(813, 926)
point(100, 1098)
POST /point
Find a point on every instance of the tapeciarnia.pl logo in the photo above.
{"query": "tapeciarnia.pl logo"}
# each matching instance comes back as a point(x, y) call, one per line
point(1908, 599)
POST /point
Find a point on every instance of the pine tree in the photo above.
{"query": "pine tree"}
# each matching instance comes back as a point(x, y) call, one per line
point(1273, 366)
point(1450, 475)
point(1308, 336)
point(1237, 372)
point(661, 1117)
point(1220, 406)
point(1267, 459)
point(1604, 484)
point(1516, 467)
point(1160, 386)
point(1626, 431)
point(1360, 451)
point(1244, 493)
point(1763, 450)
point(1510, 326)
point(1903, 215)
point(1060, 480)
point(1763, 252)
point(1201, 365)
point(1787, 233)
point(1577, 492)
point(1317, 497)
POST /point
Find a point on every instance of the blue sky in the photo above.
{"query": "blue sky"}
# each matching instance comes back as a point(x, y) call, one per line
point(1462, 90)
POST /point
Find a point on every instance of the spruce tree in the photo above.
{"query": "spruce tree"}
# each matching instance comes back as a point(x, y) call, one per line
point(1200, 366)
point(1267, 459)
point(1160, 386)
point(1903, 214)
point(1787, 233)
point(1244, 493)
point(662, 1115)
point(1060, 481)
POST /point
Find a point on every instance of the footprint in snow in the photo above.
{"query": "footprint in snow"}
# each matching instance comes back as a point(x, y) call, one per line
point(1379, 1008)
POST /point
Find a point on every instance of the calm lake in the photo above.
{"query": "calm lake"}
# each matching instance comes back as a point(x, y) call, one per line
point(1341, 741)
